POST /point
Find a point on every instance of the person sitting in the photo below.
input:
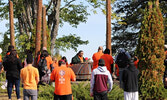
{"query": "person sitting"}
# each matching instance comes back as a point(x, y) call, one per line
point(78, 58)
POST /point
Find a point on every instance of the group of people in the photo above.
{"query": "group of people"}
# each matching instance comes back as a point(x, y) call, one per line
point(48, 70)
point(33, 74)
point(103, 69)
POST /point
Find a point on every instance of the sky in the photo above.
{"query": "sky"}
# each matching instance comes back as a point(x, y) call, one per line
point(94, 30)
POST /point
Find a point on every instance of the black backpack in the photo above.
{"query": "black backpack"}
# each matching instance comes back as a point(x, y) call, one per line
point(122, 60)
point(42, 65)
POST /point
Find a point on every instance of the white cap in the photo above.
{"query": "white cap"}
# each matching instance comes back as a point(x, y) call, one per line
point(0, 50)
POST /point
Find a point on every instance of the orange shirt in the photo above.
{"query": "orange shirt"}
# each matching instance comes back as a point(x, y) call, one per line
point(136, 63)
point(29, 75)
point(49, 61)
point(108, 61)
point(96, 57)
point(62, 77)
point(81, 59)
point(55, 64)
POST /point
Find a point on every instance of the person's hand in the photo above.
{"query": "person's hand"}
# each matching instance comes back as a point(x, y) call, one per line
point(91, 94)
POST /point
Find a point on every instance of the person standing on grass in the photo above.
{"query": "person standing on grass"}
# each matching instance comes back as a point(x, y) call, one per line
point(130, 82)
point(12, 66)
point(99, 79)
point(30, 78)
point(62, 77)
point(109, 62)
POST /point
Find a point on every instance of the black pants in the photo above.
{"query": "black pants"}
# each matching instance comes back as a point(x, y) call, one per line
point(100, 96)
point(63, 97)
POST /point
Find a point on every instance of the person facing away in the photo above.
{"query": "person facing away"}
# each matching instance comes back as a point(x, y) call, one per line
point(12, 66)
point(65, 59)
point(122, 59)
point(62, 77)
point(96, 56)
point(130, 82)
point(78, 58)
point(45, 67)
point(30, 78)
point(108, 60)
point(99, 79)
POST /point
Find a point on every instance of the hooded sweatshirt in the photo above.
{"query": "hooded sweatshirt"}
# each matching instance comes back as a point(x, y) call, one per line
point(100, 77)
point(130, 78)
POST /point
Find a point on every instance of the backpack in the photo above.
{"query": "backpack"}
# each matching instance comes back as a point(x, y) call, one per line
point(122, 60)
point(42, 65)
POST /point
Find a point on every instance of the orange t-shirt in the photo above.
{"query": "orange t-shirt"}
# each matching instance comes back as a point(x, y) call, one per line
point(29, 75)
point(108, 61)
point(96, 57)
point(136, 63)
point(62, 77)
point(55, 64)
point(49, 61)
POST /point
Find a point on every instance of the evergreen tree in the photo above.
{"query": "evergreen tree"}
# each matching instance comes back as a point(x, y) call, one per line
point(151, 54)
point(126, 30)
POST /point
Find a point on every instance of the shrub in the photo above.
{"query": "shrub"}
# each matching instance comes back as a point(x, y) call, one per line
point(80, 91)
point(46, 92)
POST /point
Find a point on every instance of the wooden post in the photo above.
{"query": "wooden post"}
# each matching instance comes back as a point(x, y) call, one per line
point(108, 24)
point(38, 28)
point(44, 36)
point(11, 21)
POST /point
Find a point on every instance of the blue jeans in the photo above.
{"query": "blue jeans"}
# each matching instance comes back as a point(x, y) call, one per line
point(13, 81)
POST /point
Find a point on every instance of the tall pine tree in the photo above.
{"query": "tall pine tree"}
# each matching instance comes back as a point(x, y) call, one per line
point(151, 53)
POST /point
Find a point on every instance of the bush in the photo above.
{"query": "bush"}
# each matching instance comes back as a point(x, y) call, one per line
point(80, 91)
point(46, 92)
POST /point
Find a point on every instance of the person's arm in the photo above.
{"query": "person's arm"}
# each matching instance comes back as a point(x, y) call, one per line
point(51, 67)
point(128, 55)
point(52, 76)
point(123, 76)
point(92, 82)
point(110, 82)
point(73, 77)
point(21, 76)
point(37, 76)
point(19, 64)
point(112, 68)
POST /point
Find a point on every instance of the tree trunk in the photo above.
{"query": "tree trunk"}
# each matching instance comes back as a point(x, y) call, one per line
point(38, 28)
point(44, 36)
point(12, 37)
point(108, 24)
point(55, 26)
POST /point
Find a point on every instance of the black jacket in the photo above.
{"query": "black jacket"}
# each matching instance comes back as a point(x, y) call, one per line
point(12, 68)
point(130, 78)
point(76, 60)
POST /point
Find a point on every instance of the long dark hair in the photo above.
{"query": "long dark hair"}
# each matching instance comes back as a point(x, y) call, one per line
point(13, 56)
